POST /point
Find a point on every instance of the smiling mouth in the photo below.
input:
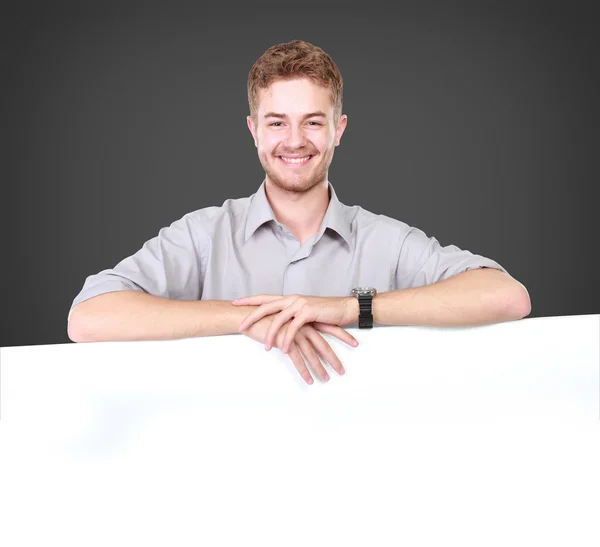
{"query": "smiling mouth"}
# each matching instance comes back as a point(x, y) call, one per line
point(295, 162)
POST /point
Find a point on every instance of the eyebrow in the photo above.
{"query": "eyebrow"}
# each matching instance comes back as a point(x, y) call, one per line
point(316, 114)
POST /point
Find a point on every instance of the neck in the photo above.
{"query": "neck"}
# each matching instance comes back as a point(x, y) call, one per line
point(301, 212)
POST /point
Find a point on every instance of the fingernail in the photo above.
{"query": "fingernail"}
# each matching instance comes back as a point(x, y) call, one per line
point(326, 377)
point(310, 381)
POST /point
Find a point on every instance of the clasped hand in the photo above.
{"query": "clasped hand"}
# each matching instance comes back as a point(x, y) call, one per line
point(295, 313)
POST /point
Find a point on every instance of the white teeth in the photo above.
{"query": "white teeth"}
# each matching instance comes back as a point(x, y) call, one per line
point(295, 160)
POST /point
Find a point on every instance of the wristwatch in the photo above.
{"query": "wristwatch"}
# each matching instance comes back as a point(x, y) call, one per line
point(365, 303)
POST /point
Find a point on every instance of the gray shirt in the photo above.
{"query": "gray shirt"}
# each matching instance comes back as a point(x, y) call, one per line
point(240, 249)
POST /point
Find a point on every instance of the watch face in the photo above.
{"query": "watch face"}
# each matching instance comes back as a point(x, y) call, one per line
point(364, 291)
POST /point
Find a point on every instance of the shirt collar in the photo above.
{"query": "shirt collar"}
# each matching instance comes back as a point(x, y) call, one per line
point(259, 212)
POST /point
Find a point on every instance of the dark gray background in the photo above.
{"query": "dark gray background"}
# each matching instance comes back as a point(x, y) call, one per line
point(475, 126)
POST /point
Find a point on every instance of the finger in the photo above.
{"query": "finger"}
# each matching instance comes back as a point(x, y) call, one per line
point(336, 331)
point(259, 313)
point(325, 350)
point(299, 363)
point(298, 360)
point(280, 319)
point(293, 329)
point(309, 353)
point(256, 300)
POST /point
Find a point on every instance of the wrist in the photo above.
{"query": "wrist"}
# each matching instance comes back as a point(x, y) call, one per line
point(241, 312)
point(352, 309)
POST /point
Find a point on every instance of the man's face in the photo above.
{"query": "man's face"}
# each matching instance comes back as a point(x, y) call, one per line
point(295, 133)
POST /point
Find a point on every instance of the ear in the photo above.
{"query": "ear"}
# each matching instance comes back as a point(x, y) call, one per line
point(252, 129)
point(340, 129)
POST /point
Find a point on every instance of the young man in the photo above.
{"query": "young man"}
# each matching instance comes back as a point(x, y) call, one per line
point(291, 262)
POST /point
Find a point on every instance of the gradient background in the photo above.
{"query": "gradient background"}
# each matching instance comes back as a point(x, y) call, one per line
point(475, 126)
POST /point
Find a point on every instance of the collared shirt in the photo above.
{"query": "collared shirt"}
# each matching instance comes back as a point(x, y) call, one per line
point(240, 249)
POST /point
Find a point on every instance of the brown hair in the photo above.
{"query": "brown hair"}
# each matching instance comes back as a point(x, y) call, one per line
point(295, 59)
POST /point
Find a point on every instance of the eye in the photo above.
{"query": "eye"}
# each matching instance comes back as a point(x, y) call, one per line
point(315, 123)
point(275, 124)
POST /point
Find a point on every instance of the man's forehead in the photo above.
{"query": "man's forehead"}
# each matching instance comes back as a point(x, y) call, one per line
point(295, 98)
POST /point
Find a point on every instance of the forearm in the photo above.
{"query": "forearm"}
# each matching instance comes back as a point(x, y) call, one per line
point(474, 297)
point(131, 315)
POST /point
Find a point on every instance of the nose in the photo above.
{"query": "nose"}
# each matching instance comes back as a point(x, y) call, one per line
point(294, 137)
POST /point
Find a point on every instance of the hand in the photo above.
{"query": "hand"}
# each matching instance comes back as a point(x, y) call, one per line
point(304, 309)
point(310, 342)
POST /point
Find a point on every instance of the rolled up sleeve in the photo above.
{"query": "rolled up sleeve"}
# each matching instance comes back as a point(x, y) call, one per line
point(168, 265)
point(422, 261)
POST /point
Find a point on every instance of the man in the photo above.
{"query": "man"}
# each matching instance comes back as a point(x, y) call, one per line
point(280, 266)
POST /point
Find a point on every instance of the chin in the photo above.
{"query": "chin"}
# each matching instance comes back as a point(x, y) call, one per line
point(302, 182)
point(297, 185)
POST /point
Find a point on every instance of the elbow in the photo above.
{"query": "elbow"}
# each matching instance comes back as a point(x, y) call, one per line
point(521, 302)
point(511, 303)
point(71, 327)
point(526, 304)
point(75, 331)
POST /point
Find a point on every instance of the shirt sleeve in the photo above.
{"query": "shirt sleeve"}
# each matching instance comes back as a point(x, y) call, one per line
point(422, 261)
point(168, 265)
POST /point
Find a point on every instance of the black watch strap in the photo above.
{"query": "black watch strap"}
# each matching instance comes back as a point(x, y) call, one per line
point(365, 318)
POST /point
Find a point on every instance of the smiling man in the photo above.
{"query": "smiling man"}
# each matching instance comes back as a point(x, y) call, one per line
point(296, 127)
point(296, 130)
point(291, 262)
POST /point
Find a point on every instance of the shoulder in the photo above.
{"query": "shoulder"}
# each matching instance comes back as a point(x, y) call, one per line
point(368, 222)
point(230, 213)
